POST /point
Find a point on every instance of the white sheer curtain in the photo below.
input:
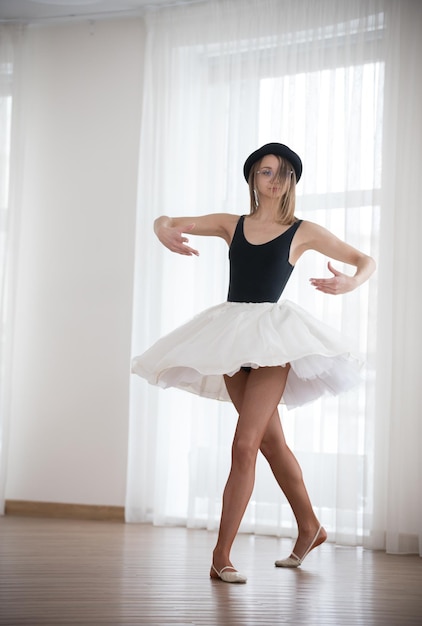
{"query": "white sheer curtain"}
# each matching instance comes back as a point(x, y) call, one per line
point(10, 42)
point(397, 522)
point(222, 78)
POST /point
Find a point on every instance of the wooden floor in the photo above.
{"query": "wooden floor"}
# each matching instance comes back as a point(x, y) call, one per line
point(82, 572)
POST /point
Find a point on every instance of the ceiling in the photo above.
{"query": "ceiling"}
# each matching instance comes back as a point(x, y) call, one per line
point(45, 10)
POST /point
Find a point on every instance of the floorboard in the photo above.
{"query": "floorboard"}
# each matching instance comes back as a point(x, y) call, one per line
point(55, 572)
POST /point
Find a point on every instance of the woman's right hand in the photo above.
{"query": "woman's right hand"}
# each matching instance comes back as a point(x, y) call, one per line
point(172, 237)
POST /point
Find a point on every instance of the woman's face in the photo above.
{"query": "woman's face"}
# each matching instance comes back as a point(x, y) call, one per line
point(267, 178)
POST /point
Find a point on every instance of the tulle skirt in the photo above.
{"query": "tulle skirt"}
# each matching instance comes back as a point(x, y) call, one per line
point(226, 337)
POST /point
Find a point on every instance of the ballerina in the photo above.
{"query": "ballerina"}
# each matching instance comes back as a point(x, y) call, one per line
point(265, 350)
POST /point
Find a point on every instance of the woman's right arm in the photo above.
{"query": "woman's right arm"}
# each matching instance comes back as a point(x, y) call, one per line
point(170, 230)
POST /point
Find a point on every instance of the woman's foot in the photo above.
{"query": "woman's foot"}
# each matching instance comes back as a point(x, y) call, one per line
point(227, 574)
point(222, 568)
point(304, 544)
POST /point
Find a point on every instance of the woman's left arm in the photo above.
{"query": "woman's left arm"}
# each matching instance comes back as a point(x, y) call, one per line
point(323, 241)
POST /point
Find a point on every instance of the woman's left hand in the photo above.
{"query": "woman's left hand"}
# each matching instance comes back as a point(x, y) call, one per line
point(338, 284)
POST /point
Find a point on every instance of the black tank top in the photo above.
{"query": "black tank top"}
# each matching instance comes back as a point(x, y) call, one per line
point(259, 273)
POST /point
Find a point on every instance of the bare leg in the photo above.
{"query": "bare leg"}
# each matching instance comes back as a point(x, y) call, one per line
point(287, 472)
point(261, 390)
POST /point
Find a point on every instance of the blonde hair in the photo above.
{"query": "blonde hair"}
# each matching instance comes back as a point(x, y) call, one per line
point(287, 202)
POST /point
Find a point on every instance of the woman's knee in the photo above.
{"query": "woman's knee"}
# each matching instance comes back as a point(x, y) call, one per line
point(279, 455)
point(271, 449)
point(244, 452)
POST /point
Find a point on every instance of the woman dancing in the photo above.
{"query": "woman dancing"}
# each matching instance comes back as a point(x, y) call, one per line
point(256, 350)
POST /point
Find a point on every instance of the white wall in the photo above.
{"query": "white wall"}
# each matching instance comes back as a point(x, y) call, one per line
point(82, 106)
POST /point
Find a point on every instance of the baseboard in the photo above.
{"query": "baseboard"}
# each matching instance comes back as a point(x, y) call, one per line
point(58, 510)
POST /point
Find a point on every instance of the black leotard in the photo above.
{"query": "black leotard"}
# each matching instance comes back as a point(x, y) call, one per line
point(259, 272)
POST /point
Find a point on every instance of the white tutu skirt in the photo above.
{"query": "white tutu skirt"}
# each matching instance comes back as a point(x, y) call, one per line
point(222, 339)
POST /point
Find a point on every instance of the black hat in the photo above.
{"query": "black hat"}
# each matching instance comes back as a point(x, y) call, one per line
point(278, 149)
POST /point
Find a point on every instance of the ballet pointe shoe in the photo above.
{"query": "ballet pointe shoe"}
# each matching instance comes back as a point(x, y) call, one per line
point(227, 577)
point(293, 560)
